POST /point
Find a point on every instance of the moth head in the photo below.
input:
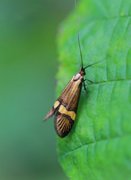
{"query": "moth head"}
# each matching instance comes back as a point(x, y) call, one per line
point(82, 72)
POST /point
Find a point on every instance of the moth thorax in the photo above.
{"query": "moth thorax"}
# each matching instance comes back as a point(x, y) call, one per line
point(77, 77)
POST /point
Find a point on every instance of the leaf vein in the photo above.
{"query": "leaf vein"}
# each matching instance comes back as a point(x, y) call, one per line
point(94, 142)
point(109, 81)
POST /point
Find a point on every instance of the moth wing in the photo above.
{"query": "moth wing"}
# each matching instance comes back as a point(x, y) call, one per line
point(70, 95)
point(67, 109)
point(69, 98)
point(50, 114)
point(72, 99)
point(53, 110)
point(60, 99)
point(63, 125)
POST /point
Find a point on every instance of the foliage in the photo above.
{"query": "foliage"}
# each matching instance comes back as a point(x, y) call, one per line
point(98, 146)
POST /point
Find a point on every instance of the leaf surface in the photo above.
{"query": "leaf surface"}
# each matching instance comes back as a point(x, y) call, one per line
point(99, 145)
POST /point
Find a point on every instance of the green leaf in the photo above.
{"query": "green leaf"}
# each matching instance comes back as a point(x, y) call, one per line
point(99, 145)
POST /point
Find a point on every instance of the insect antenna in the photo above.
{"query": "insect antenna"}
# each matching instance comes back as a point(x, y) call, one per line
point(92, 64)
point(81, 57)
point(80, 50)
point(78, 38)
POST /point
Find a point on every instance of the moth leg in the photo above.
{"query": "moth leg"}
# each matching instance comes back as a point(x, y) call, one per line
point(90, 81)
point(84, 85)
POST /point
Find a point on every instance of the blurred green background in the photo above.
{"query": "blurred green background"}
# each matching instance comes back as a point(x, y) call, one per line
point(28, 65)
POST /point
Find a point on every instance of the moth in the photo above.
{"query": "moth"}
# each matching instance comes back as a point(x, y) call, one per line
point(65, 107)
